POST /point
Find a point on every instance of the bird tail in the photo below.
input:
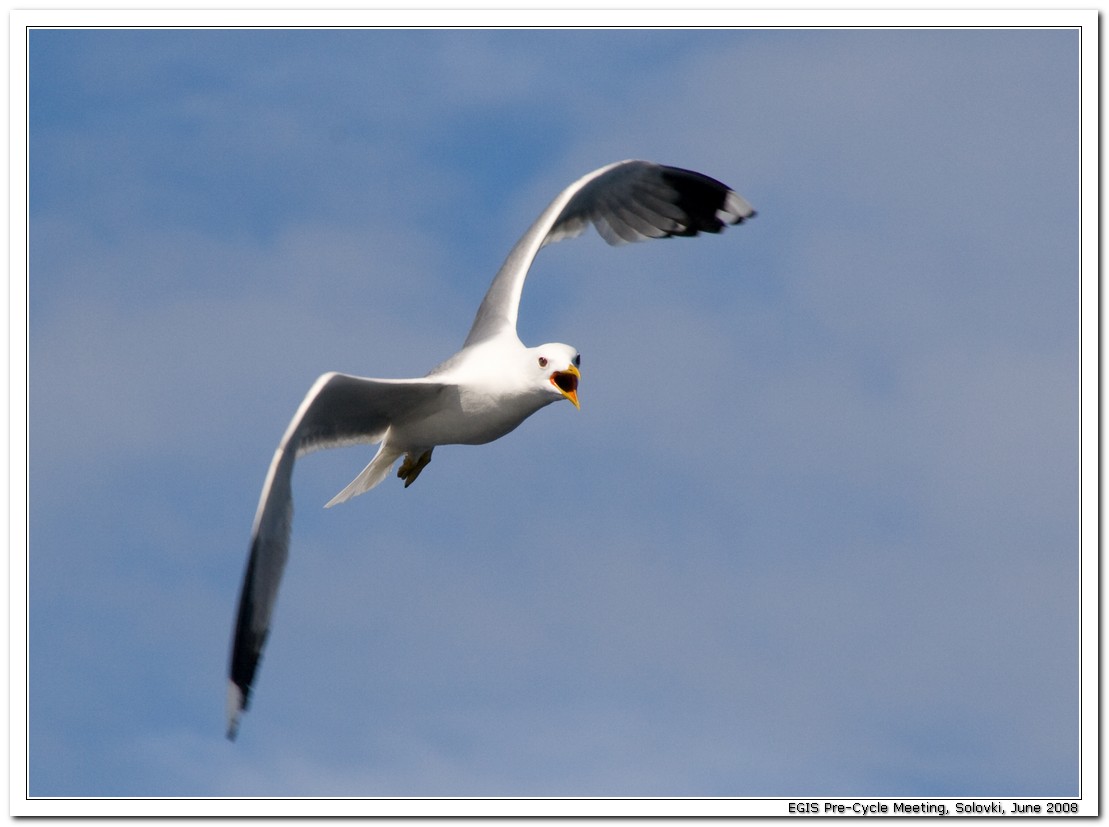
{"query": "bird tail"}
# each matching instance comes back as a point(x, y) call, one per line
point(371, 475)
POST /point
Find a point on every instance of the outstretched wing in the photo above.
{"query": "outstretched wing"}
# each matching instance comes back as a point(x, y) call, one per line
point(625, 201)
point(338, 410)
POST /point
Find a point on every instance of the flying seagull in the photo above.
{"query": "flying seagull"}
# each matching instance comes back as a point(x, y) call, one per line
point(478, 395)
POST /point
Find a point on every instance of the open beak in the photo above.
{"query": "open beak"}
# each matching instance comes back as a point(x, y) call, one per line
point(567, 383)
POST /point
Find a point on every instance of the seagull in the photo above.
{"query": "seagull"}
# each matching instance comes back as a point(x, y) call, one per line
point(484, 391)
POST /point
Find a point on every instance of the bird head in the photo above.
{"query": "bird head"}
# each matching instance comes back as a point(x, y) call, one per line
point(558, 368)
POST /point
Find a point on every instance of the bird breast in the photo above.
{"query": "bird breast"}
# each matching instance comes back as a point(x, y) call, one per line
point(471, 416)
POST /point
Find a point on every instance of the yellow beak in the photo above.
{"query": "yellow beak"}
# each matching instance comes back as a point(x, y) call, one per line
point(567, 383)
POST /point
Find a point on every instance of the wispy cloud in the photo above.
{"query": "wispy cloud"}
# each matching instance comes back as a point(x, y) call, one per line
point(813, 531)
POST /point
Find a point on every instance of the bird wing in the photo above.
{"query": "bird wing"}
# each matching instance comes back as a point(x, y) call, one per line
point(338, 410)
point(625, 201)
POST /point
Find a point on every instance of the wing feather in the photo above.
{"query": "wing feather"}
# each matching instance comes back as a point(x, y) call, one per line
point(338, 410)
point(626, 201)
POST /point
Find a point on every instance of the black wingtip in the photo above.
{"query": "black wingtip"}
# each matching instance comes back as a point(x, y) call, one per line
point(246, 652)
point(709, 205)
point(236, 705)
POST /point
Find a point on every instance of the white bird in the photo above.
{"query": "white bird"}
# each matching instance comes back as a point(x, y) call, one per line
point(476, 396)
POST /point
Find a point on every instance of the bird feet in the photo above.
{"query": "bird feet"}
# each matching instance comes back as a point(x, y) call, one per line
point(410, 468)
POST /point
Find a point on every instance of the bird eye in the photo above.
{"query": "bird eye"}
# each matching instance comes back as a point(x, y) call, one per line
point(577, 360)
point(542, 361)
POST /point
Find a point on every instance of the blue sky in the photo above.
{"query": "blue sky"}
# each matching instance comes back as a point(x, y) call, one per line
point(813, 533)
